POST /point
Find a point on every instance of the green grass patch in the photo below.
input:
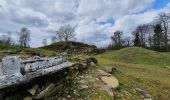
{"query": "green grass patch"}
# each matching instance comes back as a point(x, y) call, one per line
point(138, 67)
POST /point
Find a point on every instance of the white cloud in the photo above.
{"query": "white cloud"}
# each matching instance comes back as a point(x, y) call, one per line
point(95, 19)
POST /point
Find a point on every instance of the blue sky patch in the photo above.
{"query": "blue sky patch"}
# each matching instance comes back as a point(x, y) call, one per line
point(160, 4)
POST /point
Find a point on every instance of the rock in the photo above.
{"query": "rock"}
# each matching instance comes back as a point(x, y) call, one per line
point(103, 73)
point(92, 64)
point(1, 69)
point(68, 96)
point(110, 70)
point(84, 87)
point(36, 57)
point(78, 67)
point(89, 60)
point(110, 80)
point(28, 98)
point(109, 89)
point(83, 82)
point(11, 65)
point(126, 93)
point(144, 93)
point(46, 92)
point(33, 90)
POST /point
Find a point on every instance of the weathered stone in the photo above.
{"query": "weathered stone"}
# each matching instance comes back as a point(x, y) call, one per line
point(1, 69)
point(112, 81)
point(18, 79)
point(92, 64)
point(11, 65)
point(103, 73)
point(89, 60)
point(46, 92)
point(84, 86)
point(144, 93)
point(33, 90)
point(28, 98)
point(110, 70)
point(109, 89)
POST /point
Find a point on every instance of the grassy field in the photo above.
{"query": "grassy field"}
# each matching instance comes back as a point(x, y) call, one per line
point(142, 68)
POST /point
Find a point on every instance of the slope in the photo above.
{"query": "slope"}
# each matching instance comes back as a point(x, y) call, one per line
point(139, 68)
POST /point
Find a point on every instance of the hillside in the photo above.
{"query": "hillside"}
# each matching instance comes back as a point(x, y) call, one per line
point(139, 68)
point(73, 47)
point(136, 55)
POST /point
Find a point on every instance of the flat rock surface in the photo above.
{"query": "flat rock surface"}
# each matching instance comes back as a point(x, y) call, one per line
point(111, 81)
point(108, 79)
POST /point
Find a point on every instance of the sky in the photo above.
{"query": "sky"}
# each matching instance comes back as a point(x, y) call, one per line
point(94, 20)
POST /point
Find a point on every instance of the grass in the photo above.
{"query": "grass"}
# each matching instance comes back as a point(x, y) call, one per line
point(141, 68)
point(6, 50)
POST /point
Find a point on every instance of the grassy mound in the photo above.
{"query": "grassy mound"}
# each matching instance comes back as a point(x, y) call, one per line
point(139, 68)
point(73, 47)
point(136, 55)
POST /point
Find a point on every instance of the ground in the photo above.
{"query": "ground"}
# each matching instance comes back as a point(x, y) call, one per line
point(134, 68)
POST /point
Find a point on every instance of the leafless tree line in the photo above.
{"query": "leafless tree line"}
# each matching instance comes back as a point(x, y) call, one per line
point(64, 33)
point(154, 35)
point(24, 38)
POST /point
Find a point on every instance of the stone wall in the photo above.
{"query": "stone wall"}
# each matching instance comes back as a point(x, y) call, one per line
point(15, 70)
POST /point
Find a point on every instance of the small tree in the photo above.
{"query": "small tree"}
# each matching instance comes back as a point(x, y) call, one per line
point(24, 37)
point(65, 33)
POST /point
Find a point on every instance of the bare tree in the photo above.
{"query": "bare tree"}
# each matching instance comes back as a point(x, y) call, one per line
point(164, 20)
point(65, 33)
point(127, 41)
point(117, 39)
point(158, 37)
point(6, 39)
point(44, 41)
point(141, 35)
point(24, 37)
